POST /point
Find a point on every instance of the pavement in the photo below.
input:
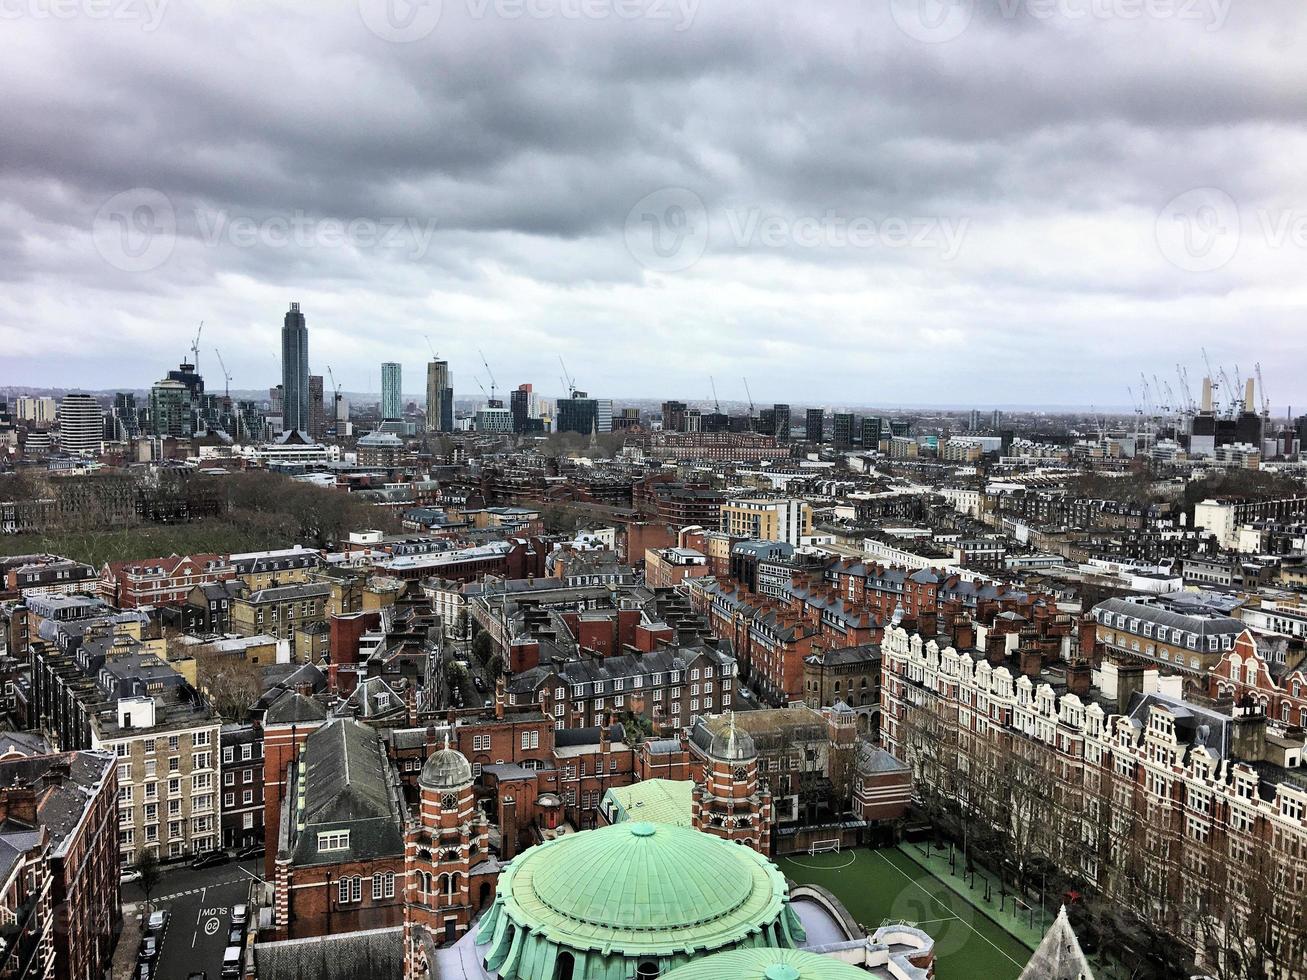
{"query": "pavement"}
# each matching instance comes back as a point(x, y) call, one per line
point(199, 904)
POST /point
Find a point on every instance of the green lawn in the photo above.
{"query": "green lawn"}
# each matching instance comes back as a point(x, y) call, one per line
point(883, 885)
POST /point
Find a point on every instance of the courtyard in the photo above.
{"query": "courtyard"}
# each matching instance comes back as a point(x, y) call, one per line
point(879, 886)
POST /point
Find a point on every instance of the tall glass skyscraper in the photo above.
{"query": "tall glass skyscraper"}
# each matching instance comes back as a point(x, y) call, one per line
point(294, 371)
point(440, 397)
point(392, 396)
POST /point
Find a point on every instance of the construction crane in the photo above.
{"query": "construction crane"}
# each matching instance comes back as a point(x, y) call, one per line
point(226, 375)
point(195, 346)
point(717, 406)
point(1261, 387)
point(434, 355)
point(568, 381)
point(750, 394)
point(489, 372)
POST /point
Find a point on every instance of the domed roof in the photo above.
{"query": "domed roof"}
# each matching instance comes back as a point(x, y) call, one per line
point(733, 744)
point(635, 891)
point(445, 769)
point(767, 964)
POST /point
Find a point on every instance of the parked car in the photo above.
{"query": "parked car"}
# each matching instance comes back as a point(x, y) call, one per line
point(210, 859)
point(231, 962)
point(157, 922)
point(145, 971)
point(249, 851)
point(235, 936)
point(197, 975)
point(128, 876)
point(149, 949)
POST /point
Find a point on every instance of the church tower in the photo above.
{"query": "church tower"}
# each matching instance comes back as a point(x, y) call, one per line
point(449, 837)
point(729, 802)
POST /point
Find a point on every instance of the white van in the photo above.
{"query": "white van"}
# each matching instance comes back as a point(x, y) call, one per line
point(231, 962)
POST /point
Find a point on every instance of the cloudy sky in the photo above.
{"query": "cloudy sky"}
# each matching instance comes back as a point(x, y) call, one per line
point(886, 202)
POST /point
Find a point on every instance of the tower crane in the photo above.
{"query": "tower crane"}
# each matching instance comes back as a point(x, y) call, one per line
point(717, 406)
point(434, 355)
point(195, 346)
point(226, 375)
point(750, 394)
point(568, 381)
point(489, 372)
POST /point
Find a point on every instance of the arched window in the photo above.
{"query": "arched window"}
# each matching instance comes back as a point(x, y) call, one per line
point(564, 966)
point(1284, 712)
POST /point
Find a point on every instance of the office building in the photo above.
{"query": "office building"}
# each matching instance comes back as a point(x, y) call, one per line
point(172, 409)
point(843, 430)
point(674, 416)
point(521, 408)
point(781, 421)
point(317, 412)
point(604, 414)
point(38, 410)
point(81, 425)
point(440, 397)
point(392, 398)
point(813, 422)
point(294, 371)
point(871, 431)
point(768, 519)
point(578, 414)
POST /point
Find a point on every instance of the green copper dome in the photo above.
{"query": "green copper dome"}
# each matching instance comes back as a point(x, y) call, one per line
point(601, 902)
point(767, 964)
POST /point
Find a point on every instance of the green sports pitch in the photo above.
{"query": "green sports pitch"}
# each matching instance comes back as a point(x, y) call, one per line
point(879, 886)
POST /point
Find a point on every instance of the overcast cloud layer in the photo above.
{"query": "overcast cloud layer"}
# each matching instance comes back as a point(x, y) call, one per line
point(893, 201)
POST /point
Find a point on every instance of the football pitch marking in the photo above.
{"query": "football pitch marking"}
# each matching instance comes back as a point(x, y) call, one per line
point(819, 865)
point(933, 898)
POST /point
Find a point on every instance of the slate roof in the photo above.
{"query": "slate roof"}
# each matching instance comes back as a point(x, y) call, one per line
point(345, 782)
point(294, 708)
point(377, 954)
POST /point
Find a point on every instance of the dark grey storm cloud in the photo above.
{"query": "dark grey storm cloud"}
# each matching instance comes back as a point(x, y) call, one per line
point(961, 201)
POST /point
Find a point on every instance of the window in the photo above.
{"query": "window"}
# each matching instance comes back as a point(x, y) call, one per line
point(247, 797)
point(350, 889)
point(228, 754)
point(335, 840)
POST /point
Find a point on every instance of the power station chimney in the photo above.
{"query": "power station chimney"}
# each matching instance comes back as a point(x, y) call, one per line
point(1248, 393)
point(1207, 394)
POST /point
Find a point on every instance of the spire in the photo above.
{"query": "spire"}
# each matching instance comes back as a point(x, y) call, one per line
point(1059, 956)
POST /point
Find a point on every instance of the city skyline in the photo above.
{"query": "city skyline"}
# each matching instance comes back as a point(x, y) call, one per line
point(1051, 221)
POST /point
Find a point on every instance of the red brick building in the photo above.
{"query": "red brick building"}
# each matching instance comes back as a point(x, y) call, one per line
point(73, 798)
point(160, 581)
